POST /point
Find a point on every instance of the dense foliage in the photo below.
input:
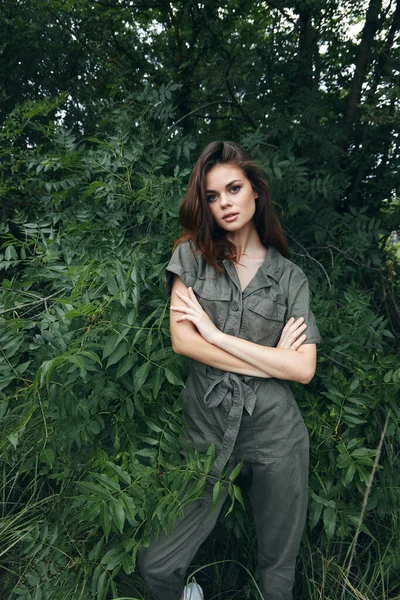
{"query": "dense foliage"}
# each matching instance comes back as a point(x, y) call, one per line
point(105, 106)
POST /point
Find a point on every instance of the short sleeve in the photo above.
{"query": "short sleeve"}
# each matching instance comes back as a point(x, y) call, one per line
point(184, 264)
point(299, 306)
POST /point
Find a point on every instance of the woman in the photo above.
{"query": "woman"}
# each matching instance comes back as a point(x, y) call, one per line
point(232, 292)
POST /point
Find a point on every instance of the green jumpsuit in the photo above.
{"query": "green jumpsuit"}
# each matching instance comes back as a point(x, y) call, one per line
point(246, 417)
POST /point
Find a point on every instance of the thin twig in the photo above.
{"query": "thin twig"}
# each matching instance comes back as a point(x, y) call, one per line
point(282, 11)
point(30, 303)
point(197, 110)
point(23, 292)
point(314, 259)
point(364, 505)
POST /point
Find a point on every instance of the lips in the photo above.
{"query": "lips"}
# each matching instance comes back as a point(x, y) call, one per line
point(230, 216)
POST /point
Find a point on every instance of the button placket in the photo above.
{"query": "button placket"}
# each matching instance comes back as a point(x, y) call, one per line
point(236, 305)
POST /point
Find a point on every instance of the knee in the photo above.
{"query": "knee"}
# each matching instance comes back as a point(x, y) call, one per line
point(147, 563)
point(155, 564)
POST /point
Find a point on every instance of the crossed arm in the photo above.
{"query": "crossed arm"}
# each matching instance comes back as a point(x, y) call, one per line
point(194, 335)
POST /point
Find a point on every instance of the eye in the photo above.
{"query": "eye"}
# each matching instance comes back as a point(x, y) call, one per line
point(211, 197)
point(235, 189)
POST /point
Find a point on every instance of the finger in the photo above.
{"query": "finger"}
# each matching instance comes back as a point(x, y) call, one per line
point(296, 323)
point(288, 324)
point(183, 309)
point(294, 333)
point(193, 296)
point(191, 318)
point(189, 302)
point(183, 297)
point(296, 345)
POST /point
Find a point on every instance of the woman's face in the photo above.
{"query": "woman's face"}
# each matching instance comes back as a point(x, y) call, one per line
point(230, 197)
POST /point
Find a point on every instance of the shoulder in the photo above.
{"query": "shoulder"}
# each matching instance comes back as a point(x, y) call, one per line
point(185, 263)
point(185, 253)
point(292, 271)
point(283, 269)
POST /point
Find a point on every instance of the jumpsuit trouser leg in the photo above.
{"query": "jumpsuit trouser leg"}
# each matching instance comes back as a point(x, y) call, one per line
point(279, 497)
point(164, 563)
point(274, 444)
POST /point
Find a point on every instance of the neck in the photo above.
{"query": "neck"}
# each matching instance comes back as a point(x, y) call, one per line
point(246, 241)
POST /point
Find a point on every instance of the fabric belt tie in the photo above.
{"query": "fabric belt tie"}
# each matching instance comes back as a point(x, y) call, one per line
point(224, 384)
point(229, 384)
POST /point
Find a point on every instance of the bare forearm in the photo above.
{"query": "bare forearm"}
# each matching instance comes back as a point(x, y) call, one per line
point(278, 362)
point(197, 348)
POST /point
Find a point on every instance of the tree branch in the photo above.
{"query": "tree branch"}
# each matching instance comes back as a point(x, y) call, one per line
point(196, 110)
point(282, 10)
point(312, 258)
point(31, 304)
point(370, 29)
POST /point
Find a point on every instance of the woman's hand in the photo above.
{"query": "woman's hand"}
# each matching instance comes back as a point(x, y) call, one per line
point(194, 312)
point(292, 336)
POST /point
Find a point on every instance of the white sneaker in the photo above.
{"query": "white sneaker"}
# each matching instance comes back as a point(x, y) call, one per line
point(193, 591)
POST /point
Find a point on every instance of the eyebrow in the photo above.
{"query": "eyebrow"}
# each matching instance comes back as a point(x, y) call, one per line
point(227, 185)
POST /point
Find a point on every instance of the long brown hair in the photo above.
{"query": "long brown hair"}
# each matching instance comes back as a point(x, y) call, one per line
point(197, 220)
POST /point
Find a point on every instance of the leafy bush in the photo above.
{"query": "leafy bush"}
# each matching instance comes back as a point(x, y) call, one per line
point(89, 389)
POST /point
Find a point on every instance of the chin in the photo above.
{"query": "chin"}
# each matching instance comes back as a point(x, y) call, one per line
point(230, 227)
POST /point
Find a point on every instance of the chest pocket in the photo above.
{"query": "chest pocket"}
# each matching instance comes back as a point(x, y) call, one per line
point(263, 320)
point(214, 297)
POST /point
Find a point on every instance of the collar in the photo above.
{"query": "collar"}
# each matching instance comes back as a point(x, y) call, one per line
point(273, 264)
point(271, 268)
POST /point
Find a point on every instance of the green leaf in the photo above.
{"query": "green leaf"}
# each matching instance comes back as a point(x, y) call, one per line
point(93, 489)
point(235, 472)
point(126, 365)
point(173, 378)
point(107, 481)
point(47, 455)
point(149, 452)
point(101, 587)
point(349, 475)
point(111, 283)
point(323, 501)
point(105, 519)
point(118, 513)
point(10, 253)
point(152, 425)
point(111, 345)
point(141, 375)
point(315, 513)
point(157, 381)
point(78, 361)
point(119, 472)
point(363, 453)
point(353, 420)
point(238, 494)
point(92, 355)
point(329, 518)
point(96, 574)
point(118, 353)
point(21, 368)
point(354, 384)
point(343, 461)
point(133, 274)
point(46, 369)
point(216, 494)
point(113, 558)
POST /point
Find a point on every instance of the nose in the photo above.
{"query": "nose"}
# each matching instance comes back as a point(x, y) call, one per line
point(224, 200)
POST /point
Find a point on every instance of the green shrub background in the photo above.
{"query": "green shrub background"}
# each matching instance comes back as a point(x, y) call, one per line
point(91, 178)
